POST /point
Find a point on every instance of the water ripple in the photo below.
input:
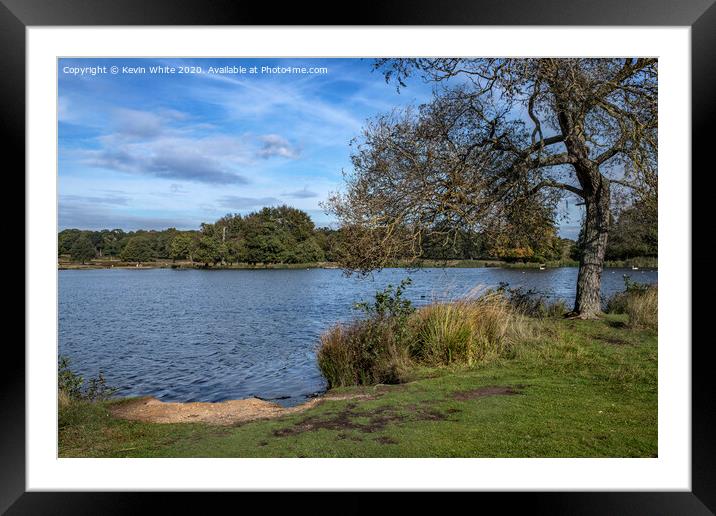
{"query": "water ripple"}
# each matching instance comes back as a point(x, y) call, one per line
point(217, 335)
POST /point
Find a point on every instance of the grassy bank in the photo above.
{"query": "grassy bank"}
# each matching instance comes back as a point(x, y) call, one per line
point(579, 389)
point(642, 262)
point(185, 264)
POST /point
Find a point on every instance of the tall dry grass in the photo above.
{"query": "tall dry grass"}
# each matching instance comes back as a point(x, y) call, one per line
point(380, 350)
point(63, 399)
point(466, 331)
point(643, 309)
point(640, 303)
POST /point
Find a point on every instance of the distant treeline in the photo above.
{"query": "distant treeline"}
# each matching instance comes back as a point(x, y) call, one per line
point(634, 234)
point(283, 234)
point(271, 235)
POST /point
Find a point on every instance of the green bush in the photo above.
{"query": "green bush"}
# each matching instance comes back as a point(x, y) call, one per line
point(71, 386)
point(68, 383)
point(364, 352)
point(389, 303)
point(371, 350)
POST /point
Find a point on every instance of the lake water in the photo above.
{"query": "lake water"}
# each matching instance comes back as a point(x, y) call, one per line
point(195, 335)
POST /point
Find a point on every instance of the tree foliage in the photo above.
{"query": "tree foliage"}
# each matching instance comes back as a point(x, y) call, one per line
point(280, 235)
point(183, 246)
point(634, 233)
point(82, 249)
point(494, 152)
point(138, 249)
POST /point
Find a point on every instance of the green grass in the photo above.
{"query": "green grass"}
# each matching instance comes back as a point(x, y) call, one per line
point(586, 389)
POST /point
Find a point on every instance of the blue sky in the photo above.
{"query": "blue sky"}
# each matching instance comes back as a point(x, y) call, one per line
point(148, 150)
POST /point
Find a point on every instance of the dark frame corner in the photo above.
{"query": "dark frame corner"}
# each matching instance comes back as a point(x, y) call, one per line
point(700, 15)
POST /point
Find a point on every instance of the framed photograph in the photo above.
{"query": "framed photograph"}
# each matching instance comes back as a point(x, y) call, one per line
point(421, 250)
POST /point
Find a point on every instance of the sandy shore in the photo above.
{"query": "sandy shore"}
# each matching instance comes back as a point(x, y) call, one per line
point(230, 412)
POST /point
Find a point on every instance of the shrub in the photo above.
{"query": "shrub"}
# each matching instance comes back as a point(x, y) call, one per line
point(639, 301)
point(531, 303)
point(389, 303)
point(71, 386)
point(98, 390)
point(371, 350)
point(69, 383)
point(364, 352)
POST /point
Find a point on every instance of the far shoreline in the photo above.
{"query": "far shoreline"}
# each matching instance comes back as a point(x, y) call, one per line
point(634, 263)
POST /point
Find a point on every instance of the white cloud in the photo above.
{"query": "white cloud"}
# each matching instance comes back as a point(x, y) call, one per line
point(132, 123)
point(162, 145)
point(206, 160)
point(275, 145)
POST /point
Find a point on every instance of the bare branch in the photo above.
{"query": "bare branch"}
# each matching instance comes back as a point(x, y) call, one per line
point(623, 183)
point(563, 186)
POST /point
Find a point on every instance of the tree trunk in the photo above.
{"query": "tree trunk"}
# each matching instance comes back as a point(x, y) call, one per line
point(596, 230)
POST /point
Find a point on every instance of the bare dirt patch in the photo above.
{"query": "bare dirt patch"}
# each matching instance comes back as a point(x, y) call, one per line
point(366, 421)
point(485, 391)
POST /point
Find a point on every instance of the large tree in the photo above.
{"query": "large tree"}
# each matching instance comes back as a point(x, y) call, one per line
point(82, 249)
point(500, 144)
point(183, 246)
point(138, 249)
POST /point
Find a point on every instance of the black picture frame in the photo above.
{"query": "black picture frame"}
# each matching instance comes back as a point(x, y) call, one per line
point(700, 15)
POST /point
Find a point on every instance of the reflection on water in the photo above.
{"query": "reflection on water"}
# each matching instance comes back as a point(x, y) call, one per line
point(191, 335)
